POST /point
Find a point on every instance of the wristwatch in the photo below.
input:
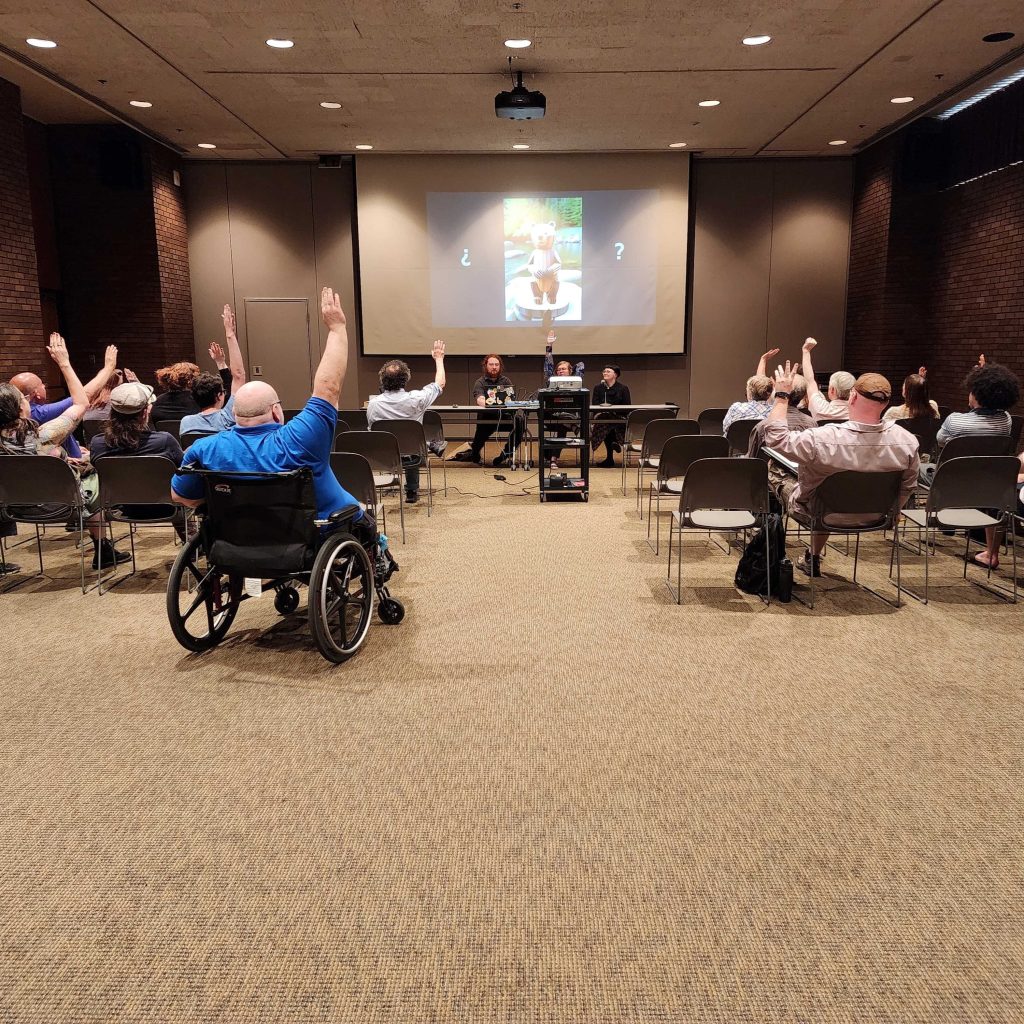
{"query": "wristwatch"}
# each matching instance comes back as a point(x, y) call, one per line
point(782, 394)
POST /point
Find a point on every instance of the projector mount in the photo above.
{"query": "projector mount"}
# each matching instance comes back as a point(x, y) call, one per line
point(519, 103)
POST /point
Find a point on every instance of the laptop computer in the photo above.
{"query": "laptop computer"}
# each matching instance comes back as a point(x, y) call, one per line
point(500, 395)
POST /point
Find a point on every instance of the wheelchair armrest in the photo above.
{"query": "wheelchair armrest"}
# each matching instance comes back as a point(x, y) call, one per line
point(339, 517)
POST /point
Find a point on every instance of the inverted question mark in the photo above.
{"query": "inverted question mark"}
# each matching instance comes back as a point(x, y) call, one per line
point(465, 261)
point(619, 249)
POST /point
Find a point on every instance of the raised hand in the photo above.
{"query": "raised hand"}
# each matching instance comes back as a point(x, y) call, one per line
point(58, 350)
point(784, 375)
point(809, 345)
point(228, 316)
point(922, 371)
point(770, 354)
point(981, 359)
point(330, 309)
point(438, 350)
point(217, 354)
point(129, 375)
point(551, 339)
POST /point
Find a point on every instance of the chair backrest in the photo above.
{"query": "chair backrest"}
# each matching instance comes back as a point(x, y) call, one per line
point(681, 451)
point(289, 413)
point(261, 524)
point(724, 483)
point(871, 498)
point(924, 428)
point(433, 426)
point(975, 481)
point(944, 411)
point(356, 476)
point(191, 436)
point(378, 447)
point(341, 427)
point(172, 427)
point(637, 420)
point(657, 432)
point(738, 435)
point(409, 434)
point(37, 480)
point(135, 480)
point(710, 421)
point(974, 444)
point(355, 418)
point(90, 428)
point(1016, 429)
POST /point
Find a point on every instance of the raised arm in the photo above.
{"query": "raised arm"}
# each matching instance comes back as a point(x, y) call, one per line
point(812, 385)
point(234, 351)
point(438, 353)
point(334, 362)
point(762, 366)
point(79, 395)
point(99, 382)
point(549, 356)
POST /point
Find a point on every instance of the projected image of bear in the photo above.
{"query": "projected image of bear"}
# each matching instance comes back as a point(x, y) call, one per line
point(543, 265)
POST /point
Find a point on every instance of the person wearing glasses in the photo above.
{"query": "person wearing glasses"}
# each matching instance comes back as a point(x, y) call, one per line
point(261, 441)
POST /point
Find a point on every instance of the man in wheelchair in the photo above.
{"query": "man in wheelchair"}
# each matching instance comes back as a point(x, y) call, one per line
point(263, 479)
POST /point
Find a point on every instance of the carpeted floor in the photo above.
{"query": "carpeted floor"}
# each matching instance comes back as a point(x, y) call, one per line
point(550, 795)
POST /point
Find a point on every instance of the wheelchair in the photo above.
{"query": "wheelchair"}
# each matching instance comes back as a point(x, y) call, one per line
point(263, 526)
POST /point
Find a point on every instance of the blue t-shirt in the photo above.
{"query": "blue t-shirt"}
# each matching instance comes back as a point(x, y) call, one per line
point(209, 422)
point(50, 411)
point(304, 441)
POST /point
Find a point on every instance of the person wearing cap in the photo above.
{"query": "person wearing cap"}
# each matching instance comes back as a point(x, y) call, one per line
point(128, 431)
point(611, 391)
point(216, 408)
point(865, 443)
point(22, 434)
point(34, 389)
point(840, 384)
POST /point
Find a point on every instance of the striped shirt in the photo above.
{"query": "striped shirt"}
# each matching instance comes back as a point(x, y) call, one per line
point(745, 411)
point(977, 421)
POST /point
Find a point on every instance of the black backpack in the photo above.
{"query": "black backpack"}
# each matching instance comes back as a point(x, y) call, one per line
point(752, 572)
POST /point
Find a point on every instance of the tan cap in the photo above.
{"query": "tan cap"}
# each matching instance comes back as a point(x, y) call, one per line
point(873, 386)
point(131, 398)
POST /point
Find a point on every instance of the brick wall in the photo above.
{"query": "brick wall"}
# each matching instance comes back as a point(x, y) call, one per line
point(22, 343)
point(936, 275)
point(172, 255)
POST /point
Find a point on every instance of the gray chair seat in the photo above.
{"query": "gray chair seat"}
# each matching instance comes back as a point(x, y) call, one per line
point(952, 518)
point(718, 519)
point(385, 479)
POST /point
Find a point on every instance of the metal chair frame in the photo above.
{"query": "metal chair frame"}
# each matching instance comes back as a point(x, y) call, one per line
point(636, 424)
point(412, 441)
point(380, 449)
point(656, 434)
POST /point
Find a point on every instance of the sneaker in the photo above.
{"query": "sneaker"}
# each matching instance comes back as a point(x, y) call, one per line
point(437, 447)
point(810, 565)
point(6, 568)
point(411, 499)
point(468, 455)
point(111, 556)
point(502, 460)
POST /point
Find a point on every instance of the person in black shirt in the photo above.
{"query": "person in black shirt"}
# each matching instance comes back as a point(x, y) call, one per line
point(609, 392)
point(488, 422)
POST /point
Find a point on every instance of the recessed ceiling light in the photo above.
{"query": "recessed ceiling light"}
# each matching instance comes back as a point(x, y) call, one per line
point(363, 145)
point(43, 44)
point(997, 37)
point(517, 44)
point(677, 145)
point(328, 105)
point(756, 40)
point(280, 44)
point(902, 99)
point(520, 145)
point(709, 103)
point(140, 103)
point(207, 145)
point(838, 142)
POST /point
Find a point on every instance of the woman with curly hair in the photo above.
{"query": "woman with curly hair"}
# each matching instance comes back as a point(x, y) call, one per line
point(175, 381)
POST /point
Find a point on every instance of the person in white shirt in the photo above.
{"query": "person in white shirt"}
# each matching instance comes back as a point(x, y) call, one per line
point(395, 403)
point(840, 384)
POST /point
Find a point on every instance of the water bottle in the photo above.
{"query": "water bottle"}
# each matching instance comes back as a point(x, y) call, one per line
point(785, 581)
point(382, 542)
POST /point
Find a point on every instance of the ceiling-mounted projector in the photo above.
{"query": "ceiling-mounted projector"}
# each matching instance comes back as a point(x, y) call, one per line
point(519, 103)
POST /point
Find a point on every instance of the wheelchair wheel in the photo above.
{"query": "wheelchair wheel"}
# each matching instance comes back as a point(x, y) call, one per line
point(201, 601)
point(286, 600)
point(391, 611)
point(340, 597)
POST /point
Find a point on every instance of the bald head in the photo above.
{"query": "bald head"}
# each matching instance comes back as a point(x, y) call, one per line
point(30, 386)
point(256, 403)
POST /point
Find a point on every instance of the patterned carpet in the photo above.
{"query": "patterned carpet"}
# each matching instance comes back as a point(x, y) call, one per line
point(550, 795)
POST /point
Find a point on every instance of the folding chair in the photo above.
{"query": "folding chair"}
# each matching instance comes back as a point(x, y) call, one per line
point(738, 436)
point(924, 428)
point(172, 427)
point(710, 422)
point(353, 472)
point(355, 418)
point(656, 433)
point(380, 449)
point(971, 493)
point(433, 430)
point(678, 454)
point(135, 490)
point(723, 494)
point(90, 428)
point(636, 424)
point(412, 443)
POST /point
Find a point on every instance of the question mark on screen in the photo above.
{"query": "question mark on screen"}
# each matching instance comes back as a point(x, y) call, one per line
point(619, 249)
point(466, 261)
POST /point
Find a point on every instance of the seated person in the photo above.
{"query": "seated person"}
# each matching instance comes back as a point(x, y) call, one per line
point(796, 418)
point(99, 407)
point(263, 443)
point(864, 444)
point(208, 390)
point(916, 403)
point(395, 403)
point(840, 384)
point(562, 369)
point(756, 407)
point(992, 389)
point(488, 422)
point(34, 389)
point(20, 434)
point(176, 401)
point(611, 391)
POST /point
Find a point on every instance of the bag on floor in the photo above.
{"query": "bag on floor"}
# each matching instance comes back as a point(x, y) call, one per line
point(753, 570)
